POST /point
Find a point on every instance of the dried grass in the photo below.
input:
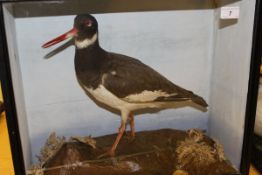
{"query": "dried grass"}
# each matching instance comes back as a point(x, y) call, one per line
point(219, 150)
point(36, 170)
point(192, 154)
point(52, 145)
point(86, 140)
point(196, 135)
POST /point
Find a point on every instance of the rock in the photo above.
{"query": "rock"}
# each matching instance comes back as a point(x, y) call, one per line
point(151, 153)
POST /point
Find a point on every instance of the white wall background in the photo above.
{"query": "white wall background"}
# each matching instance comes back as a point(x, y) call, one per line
point(178, 44)
point(229, 83)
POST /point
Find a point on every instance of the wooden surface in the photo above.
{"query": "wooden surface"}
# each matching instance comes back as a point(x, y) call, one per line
point(6, 165)
point(152, 152)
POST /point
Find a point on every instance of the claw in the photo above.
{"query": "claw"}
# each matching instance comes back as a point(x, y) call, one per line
point(110, 153)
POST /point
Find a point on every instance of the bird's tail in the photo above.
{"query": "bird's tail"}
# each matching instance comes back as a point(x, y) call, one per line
point(190, 96)
point(199, 100)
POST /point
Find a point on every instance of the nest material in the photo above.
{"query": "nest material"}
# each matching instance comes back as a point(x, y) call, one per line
point(52, 145)
point(194, 152)
point(86, 140)
point(219, 150)
point(36, 170)
point(191, 153)
point(196, 135)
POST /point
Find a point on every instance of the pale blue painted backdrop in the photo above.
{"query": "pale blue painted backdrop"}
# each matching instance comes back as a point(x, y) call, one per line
point(178, 44)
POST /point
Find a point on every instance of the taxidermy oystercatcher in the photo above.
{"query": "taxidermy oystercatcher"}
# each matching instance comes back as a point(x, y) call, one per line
point(118, 81)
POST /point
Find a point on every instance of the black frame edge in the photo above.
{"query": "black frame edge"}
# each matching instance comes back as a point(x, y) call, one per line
point(8, 94)
point(9, 101)
point(252, 90)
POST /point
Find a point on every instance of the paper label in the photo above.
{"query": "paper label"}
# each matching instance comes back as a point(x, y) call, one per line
point(230, 12)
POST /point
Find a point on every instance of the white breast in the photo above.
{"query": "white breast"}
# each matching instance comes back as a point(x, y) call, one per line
point(106, 97)
point(131, 102)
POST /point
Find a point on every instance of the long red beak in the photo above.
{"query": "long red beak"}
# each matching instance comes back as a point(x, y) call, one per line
point(71, 33)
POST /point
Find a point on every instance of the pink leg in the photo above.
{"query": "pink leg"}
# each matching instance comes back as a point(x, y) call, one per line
point(132, 125)
point(111, 152)
point(118, 138)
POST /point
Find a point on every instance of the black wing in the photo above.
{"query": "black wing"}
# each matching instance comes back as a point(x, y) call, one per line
point(127, 76)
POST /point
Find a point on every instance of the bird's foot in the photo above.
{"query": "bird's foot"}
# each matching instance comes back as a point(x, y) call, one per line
point(130, 136)
point(109, 153)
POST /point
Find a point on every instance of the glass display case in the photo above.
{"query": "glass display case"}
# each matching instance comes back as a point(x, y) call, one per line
point(198, 71)
point(257, 141)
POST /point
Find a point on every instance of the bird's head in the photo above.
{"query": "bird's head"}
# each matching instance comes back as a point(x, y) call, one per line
point(84, 32)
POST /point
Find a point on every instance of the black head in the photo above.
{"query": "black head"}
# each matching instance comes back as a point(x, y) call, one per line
point(84, 32)
point(86, 26)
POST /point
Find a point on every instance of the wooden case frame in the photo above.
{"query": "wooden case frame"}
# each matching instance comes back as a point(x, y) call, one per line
point(9, 100)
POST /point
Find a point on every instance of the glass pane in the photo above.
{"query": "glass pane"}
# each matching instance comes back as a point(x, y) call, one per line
point(80, 87)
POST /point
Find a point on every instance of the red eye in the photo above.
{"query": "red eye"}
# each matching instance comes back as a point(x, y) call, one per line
point(88, 22)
